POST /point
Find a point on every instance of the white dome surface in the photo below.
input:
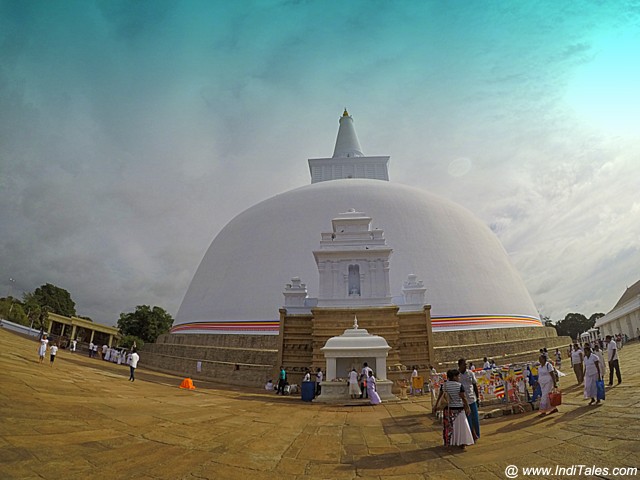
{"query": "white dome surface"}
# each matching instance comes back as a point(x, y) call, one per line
point(469, 279)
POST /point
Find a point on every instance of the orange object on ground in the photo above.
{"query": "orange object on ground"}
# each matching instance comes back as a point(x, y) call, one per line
point(188, 384)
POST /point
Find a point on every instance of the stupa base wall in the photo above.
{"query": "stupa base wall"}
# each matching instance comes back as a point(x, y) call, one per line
point(244, 360)
point(250, 360)
point(503, 345)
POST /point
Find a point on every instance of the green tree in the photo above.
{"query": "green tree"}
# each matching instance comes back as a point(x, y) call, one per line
point(32, 309)
point(12, 310)
point(57, 299)
point(129, 341)
point(146, 323)
point(574, 324)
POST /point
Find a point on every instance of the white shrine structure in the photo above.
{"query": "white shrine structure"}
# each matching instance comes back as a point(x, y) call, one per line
point(351, 350)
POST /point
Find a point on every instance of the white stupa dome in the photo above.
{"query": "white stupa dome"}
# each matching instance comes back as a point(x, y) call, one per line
point(470, 282)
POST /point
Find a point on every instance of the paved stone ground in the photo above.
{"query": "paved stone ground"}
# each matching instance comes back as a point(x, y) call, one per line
point(81, 418)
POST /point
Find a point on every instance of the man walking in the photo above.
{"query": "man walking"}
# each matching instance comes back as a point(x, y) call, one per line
point(612, 351)
point(282, 380)
point(133, 364)
point(468, 380)
point(576, 361)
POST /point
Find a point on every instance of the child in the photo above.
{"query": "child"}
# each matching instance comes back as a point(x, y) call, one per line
point(53, 351)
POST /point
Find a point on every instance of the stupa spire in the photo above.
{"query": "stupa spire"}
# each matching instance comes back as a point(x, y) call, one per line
point(348, 161)
point(347, 143)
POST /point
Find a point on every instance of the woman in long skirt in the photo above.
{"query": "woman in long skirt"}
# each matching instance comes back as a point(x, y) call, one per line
point(591, 375)
point(455, 427)
point(371, 390)
point(548, 381)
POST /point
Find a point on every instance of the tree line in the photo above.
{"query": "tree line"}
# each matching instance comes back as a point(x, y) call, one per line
point(573, 324)
point(145, 324)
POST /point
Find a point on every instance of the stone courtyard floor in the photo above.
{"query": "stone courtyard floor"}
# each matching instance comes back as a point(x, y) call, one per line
point(82, 419)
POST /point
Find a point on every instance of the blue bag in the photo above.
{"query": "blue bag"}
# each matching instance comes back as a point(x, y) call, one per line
point(600, 388)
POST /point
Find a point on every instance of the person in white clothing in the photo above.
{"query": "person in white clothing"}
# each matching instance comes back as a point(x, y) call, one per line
point(374, 398)
point(414, 374)
point(307, 376)
point(576, 361)
point(547, 380)
point(42, 349)
point(53, 351)
point(319, 378)
point(74, 343)
point(591, 375)
point(612, 352)
point(354, 388)
point(133, 365)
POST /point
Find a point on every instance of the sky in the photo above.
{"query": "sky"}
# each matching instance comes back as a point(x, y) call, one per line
point(132, 132)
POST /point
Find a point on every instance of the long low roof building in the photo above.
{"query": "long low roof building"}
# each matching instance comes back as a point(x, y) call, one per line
point(624, 318)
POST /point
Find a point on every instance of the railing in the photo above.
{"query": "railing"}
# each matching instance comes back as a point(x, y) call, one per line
point(16, 327)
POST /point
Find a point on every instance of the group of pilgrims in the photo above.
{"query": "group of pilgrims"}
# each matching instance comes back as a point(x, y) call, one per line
point(458, 396)
point(109, 354)
point(115, 355)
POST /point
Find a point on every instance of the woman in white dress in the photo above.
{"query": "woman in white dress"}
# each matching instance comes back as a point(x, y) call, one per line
point(548, 381)
point(354, 387)
point(371, 390)
point(591, 375)
point(42, 349)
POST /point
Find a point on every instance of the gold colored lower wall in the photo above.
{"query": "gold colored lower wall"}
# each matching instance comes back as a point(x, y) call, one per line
point(251, 359)
point(302, 337)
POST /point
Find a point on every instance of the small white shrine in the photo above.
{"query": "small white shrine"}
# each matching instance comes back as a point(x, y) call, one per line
point(351, 350)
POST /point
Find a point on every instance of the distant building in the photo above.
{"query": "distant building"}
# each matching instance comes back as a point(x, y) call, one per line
point(69, 328)
point(624, 318)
